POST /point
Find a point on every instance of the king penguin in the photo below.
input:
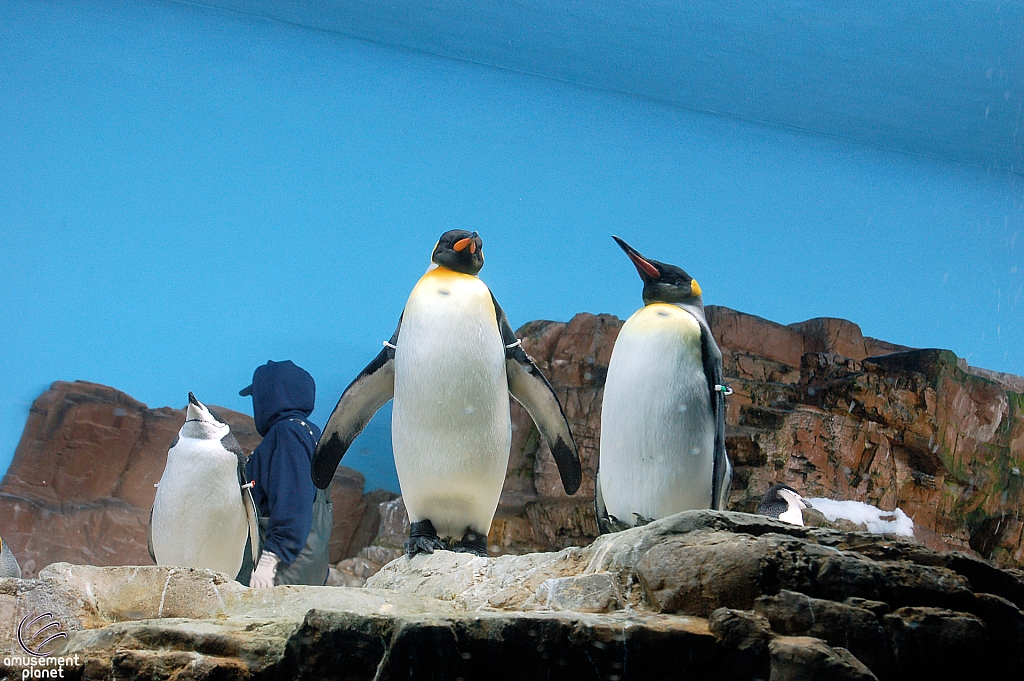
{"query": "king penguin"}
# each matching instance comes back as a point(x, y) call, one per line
point(449, 366)
point(663, 416)
point(8, 563)
point(783, 502)
point(203, 514)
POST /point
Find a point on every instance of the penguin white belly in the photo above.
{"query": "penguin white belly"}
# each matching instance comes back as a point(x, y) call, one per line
point(451, 430)
point(198, 516)
point(657, 428)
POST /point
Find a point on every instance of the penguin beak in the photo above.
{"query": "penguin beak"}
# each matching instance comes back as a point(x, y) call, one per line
point(194, 411)
point(472, 242)
point(643, 267)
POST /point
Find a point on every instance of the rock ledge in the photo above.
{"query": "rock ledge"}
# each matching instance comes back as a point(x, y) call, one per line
point(702, 594)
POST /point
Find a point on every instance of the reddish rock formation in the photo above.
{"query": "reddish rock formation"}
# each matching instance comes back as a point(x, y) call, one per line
point(534, 512)
point(818, 406)
point(356, 515)
point(81, 483)
point(347, 498)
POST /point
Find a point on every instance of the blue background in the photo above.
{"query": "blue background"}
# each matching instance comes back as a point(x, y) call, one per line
point(186, 192)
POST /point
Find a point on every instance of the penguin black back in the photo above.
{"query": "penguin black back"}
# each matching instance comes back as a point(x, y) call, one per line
point(773, 504)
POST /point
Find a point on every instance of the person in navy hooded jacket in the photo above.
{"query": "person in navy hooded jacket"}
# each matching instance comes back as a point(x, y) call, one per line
point(295, 518)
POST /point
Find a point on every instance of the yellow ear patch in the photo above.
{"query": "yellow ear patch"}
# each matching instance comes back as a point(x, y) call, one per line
point(695, 287)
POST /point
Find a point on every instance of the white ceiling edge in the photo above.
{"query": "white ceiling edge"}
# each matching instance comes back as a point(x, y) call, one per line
point(941, 80)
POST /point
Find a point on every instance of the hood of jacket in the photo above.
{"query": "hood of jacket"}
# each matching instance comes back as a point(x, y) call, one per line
point(281, 390)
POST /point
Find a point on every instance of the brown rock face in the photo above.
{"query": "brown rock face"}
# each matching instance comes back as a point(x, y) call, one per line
point(81, 484)
point(908, 429)
point(347, 498)
point(534, 513)
point(817, 405)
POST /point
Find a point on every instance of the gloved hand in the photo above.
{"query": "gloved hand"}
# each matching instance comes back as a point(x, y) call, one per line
point(263, 575)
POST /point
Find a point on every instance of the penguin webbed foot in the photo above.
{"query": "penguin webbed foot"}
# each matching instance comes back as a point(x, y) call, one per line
point(472, 542)
point(641, 521)
point(423, 539)
point(609, 524)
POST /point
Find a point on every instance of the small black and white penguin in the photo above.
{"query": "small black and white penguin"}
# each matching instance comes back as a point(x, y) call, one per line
point(783, 502)
point(449, 367)
point(203, 514)
point(663, 417)
point(8, 563)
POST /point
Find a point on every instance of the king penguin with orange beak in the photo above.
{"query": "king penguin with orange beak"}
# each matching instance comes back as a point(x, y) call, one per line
point(663, 416)
point(449, 367)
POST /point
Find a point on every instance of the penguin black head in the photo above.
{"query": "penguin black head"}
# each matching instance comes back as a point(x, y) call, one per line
point(460, 251)
point(663, 283)
point(783, 502)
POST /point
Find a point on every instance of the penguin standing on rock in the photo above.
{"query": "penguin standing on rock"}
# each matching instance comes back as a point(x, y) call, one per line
point(663, 417)
point(203, 514)
point(8, 563)
point(450, 366)
point(784, 503)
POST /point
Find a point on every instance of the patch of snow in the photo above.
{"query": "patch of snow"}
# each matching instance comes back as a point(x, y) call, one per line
point(877, 520)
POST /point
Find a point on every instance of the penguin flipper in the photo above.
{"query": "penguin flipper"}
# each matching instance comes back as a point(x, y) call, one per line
point(599, 506)
point(247, 501)
point(254, 527)
point(230, 443)
point(532, 390)
point(606, 523)
point(9, 566)
point(149, 537)
point(721, 477)
point(372, 389)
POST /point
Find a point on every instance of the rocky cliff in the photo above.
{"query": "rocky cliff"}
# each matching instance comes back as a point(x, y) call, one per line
point(702, 594)
point(818, 406)
point(80, 487)
point(717, 595)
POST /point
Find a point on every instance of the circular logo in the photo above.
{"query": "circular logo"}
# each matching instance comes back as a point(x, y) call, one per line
point(33, 639)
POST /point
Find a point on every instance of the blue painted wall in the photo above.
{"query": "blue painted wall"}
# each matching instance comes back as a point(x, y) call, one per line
point(941, 79)
point(186, 192)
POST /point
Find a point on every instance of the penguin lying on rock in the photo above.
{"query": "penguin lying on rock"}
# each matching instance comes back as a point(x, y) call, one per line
point(203, 514)
point(783, 503)
point(450, 366)
point(663, 417)
point(8, 563)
